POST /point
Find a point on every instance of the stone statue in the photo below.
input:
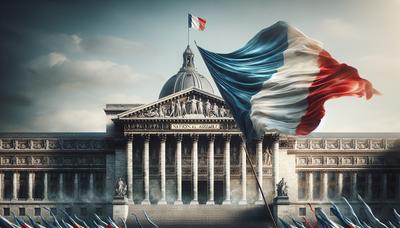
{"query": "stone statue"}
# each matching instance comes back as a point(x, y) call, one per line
point(183, 108)
point(207, 108)
point(121, 188)
point(282, 188)
point(267, 157)
point(200, 107)
point(162, 111)
point(178, 108)
point(222, 111)
point(215, 110)
point(193, 105)
point(172, 109)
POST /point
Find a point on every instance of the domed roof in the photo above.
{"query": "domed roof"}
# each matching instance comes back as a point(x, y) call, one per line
point(186, 77)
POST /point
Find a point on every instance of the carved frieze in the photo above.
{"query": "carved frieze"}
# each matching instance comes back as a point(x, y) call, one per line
point(317, 144)
point(8, 144)
point(54, 144)
point(190, 106)
point(363, 144)
point(23, 144)
point(38, 144)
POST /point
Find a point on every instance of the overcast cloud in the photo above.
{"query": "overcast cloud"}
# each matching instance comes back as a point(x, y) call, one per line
point(61, 62)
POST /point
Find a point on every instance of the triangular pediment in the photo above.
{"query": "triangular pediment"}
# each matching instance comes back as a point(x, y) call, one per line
point(191, 103)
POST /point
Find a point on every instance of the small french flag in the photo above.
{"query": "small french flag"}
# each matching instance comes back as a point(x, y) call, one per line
point(196, 22)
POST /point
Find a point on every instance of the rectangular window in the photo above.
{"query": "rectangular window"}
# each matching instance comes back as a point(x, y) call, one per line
point(68, 210)
point(376, 185)
point(83, 211)
point(317, 186)
point(23, 187)
point(99, 211)
point(8, 185)
point(302, 211)
point(361, 184)
point(391, 185)
point(21, 211)
point(38, 211)
point(6, 211)
point(302, 183)
point(332, 185)
point(53, 210)
point(347, 184)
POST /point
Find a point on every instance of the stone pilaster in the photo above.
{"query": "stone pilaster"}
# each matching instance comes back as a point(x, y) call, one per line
point(243, 200)
point(15, 186)
point(61, 186)
point(259, 156)
point(324, 186)
point(45, 186)
point(227, 158)
point(275, 161)
point(146, 170)
point(211, 140)
point(31, 179)
point(310, 186)
point(340, 184)
point(178, 154)
point(1, 186)
point(195, 170)
point(76, 186)
point(91, 185)
point(162, 201)
point(129, 167)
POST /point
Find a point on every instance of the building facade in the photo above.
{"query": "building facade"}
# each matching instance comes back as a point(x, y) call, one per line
point(185, 155)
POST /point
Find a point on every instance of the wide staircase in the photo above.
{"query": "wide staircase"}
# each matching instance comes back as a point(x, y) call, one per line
point(226, 216)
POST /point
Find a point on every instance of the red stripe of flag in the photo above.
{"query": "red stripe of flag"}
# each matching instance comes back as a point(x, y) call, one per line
point(334, 80)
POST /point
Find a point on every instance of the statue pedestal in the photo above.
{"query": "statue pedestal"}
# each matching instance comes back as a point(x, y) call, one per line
point(120, 208)
point(282, 208)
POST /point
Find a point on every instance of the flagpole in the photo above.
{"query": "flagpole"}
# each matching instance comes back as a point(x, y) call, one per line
point(188, 30)
point(258, 183)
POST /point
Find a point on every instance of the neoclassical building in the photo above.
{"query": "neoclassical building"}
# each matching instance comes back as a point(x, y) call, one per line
point(181, 159)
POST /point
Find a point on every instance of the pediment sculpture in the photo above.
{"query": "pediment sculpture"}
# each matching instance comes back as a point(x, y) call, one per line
point(187, 107)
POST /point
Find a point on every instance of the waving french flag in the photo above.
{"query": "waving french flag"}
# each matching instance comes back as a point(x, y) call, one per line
point(280, 80)
point(196, 22)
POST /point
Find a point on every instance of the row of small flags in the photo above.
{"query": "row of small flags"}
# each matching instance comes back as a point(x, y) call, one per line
point(322, 220)
point(72, 222)
point(354, 221)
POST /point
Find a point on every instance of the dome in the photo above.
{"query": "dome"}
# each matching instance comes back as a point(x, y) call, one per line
point(187, 77)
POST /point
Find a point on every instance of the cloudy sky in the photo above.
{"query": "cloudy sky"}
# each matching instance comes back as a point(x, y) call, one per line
point(61, 62)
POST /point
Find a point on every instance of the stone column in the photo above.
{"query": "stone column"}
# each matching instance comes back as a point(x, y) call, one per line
point(211, 140)
point(325, 186)
point(369, 186)
point(354, 187)
point(146, 171)
point(31, 179)
point(162, 201)
point(259, 156)
point(45, 186)
point(61, 185)
point(275, 162)
point(195, 170)
point(398, 186)
point(76, 186)
point(310, 186)
point(227, 157)
point(1, 186)
point(384, 186)
point(129, 167)
point(340, 184)
point(243, 201)
point(91, 185)
point(15, 186)
point(178, 154)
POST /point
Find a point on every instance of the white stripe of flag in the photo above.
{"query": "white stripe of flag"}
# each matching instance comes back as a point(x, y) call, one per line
point(196, 22)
